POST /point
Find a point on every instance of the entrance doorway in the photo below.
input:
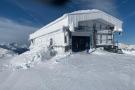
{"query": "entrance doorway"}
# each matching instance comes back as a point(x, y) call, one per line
point(80, 43)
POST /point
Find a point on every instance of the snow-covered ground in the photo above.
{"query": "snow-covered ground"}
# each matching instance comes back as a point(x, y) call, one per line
point(99, 70)
point(5, 57)
point(127, 49)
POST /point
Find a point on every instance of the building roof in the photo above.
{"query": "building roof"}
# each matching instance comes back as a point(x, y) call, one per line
point(85, 11)
point(45, 29)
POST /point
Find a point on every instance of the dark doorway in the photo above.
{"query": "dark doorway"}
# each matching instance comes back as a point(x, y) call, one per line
point(80, 43)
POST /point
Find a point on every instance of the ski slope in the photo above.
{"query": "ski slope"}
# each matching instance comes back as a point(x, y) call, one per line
point(99, 70)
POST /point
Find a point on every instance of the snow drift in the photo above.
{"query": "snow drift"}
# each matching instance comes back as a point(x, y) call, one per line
point(32, 57)
point(127, 49)
point(100, 70)
point(37, 55)
point(80, 71)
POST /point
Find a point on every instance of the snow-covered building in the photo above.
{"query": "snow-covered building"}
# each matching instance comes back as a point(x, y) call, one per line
point(77, 31)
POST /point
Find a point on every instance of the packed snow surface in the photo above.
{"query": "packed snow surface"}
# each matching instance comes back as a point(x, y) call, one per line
point(99, 70)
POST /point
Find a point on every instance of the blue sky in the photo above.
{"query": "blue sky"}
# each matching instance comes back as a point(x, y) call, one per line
point(19, 18)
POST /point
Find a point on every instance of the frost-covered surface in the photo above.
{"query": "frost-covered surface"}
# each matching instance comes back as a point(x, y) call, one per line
point(99, 70)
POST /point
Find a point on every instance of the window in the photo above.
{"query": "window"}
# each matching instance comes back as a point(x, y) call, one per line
point(65, 39)
point(51, 41)
point(32, 41)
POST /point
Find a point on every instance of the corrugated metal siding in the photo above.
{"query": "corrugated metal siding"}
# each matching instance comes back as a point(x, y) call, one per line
point(51, 28)
point(44, 41)
point(43, 35)
point(75, 18)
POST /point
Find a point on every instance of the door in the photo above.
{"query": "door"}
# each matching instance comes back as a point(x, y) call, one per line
point(80, 43)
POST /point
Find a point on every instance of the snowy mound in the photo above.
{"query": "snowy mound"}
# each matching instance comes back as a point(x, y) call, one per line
point(30, 58)
point(127, 49)
point(99, 51)
point(77, 72)
point(25, 60)
point(34, 57)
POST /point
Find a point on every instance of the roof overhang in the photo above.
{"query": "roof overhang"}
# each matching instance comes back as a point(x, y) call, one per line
point(93, 14)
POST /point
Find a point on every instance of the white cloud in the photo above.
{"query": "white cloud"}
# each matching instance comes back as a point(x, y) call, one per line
point(11, 31)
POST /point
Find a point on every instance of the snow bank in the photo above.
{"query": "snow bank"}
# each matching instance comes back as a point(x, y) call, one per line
point(99, 51)
point(35, 56)
point(77, 72)
point(129, 52)
point(25, 60)
point(127, 49)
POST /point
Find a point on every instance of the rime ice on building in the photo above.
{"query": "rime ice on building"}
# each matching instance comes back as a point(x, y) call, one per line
point(78, 31)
